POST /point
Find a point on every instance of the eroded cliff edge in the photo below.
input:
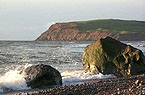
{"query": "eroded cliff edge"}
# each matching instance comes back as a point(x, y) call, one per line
point(124, 30)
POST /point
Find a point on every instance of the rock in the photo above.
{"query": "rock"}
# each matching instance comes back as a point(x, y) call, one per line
point(140, 84)
point(69, 31)
point(137, 82)
point(109, 56)
point(41, 76)
point(95, 29)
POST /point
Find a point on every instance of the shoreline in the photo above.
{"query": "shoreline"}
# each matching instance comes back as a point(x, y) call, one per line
point(131, 85)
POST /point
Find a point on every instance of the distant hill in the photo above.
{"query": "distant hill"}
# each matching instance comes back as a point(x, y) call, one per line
point(125, 30)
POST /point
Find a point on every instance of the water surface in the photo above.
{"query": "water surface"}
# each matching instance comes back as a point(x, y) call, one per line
point(65, 56)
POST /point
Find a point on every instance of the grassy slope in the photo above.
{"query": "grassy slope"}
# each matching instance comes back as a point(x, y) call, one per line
point(112, 25)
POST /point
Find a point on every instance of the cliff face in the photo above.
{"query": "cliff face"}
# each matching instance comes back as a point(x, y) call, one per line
point(85, 31)
point(70, 32)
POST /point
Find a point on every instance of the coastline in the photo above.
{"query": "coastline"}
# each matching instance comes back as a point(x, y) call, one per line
point(91, 87)
point(131, 85)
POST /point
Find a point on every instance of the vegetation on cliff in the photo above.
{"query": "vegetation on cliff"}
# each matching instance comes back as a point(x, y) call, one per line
point(112, 25)
point(95, 29)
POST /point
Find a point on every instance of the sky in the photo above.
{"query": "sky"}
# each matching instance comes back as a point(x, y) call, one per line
point(27, 19)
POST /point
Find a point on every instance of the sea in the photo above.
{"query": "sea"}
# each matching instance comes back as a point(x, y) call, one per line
point(65, 56)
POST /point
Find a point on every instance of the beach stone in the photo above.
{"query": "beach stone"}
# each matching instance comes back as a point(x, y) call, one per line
point(137, 82)
point(42, 76)
point(110, 56)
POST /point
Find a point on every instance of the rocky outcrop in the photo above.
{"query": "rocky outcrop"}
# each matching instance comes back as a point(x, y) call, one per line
point(65, 31)
point(42, 76)
point(109, 56)
point(94, 30)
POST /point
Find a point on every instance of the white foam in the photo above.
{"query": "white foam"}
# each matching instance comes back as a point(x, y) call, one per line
point(80, 75)
point(12, 80)
point(27, 65)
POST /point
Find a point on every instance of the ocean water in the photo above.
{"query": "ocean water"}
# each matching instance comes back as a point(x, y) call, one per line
point(65, 56)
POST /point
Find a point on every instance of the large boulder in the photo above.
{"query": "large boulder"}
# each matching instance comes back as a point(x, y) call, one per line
point(42, 76)
point(109, 56)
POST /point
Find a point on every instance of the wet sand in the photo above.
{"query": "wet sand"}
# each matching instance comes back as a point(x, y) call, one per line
point(131, 85)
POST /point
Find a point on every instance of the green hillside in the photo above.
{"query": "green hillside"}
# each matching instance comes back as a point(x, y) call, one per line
point(112, 25)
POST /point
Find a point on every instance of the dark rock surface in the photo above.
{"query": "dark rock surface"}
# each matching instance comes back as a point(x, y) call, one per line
point(42, 76)
point(109, 56)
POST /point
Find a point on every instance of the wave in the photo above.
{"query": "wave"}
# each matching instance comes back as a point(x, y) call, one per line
point(80, 76)
point(13, 80)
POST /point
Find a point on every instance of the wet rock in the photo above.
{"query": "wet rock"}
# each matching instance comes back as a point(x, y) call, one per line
point(109, 56)
point(42, 76)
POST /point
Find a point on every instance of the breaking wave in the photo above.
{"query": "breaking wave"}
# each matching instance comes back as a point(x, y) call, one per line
point(13, 80)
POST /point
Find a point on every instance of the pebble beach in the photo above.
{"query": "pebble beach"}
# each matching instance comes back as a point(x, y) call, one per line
point(131, 85)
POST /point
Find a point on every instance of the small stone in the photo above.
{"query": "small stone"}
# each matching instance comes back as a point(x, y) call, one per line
point(27, 94)
point(118, 92)
point(129, 89)
point(136, 82)
point(137, 87)
point(117, 88)
point(140, 84)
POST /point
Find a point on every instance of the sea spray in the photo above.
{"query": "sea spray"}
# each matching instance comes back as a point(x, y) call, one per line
point(13, 80)
point(70, 77)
